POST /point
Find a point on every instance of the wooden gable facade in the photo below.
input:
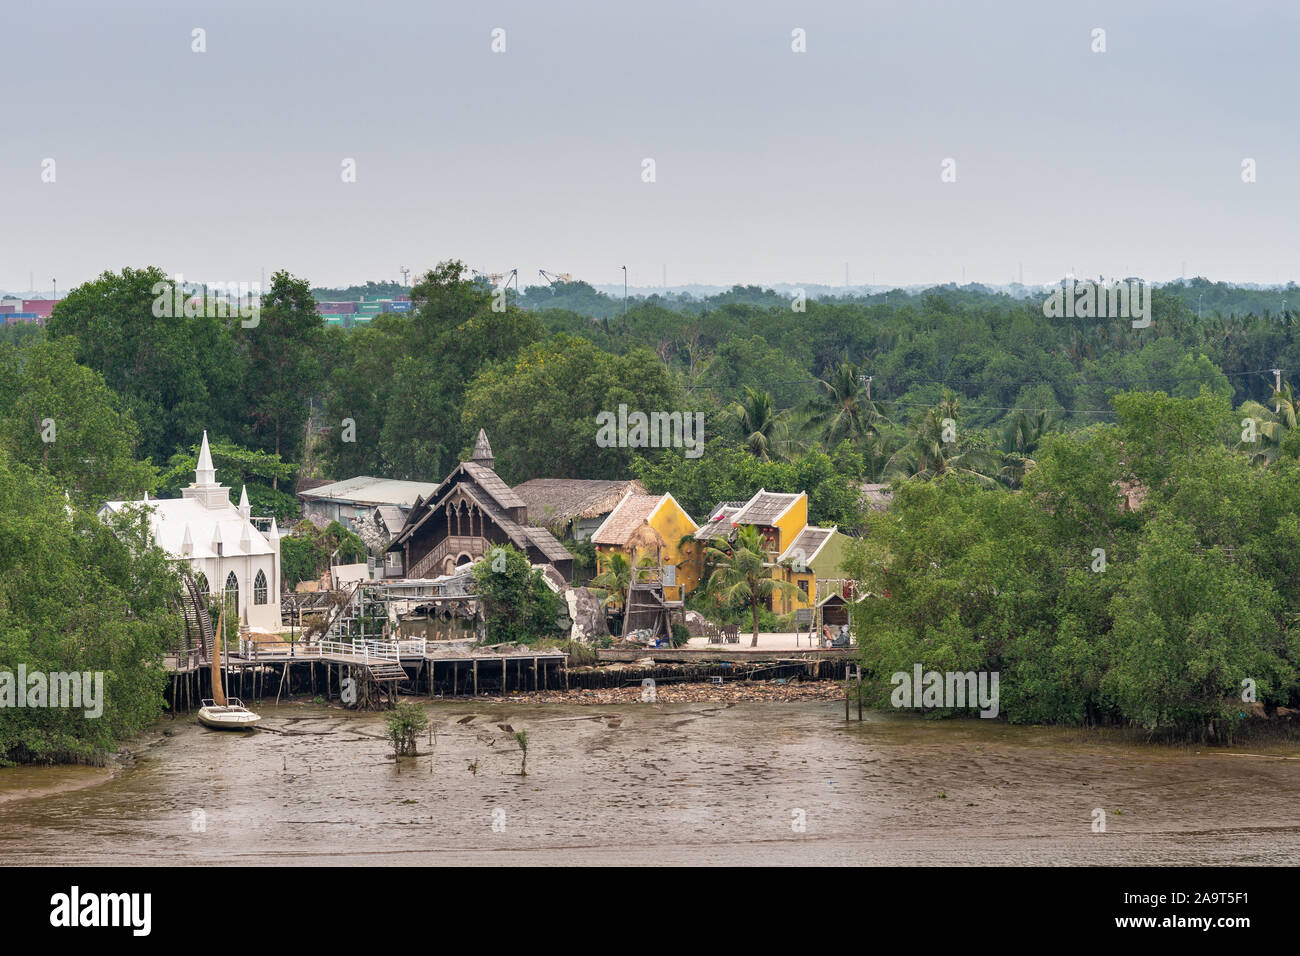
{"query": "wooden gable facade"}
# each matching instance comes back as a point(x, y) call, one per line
point(469, 513)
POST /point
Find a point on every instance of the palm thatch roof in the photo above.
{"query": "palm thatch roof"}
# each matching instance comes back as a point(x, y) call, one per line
point(554, 502)
point(643, 538)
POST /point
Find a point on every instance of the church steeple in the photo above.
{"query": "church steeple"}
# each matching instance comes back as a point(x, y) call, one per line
point(483, 451)
point(205, 489)
point(205, 474)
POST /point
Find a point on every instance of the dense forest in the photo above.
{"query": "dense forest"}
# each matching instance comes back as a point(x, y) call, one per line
point(1005, 435)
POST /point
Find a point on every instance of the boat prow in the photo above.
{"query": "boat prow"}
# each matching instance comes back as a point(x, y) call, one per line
point(232, 716)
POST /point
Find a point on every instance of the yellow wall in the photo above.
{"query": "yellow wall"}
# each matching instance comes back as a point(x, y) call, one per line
point(672, 523)
point(791, 523)
point(786, 603)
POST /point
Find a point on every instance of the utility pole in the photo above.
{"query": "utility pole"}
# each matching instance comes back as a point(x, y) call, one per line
point(1277, 388)
point(625, 292)
point(405, 275)
point(865, 382)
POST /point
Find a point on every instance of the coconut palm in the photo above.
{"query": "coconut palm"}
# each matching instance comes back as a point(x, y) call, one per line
point(1021, 436)
point(844, 409)
point(1271, 426)
point(763, 430)
point(612, 582)
point(741, 577)
point(927, 455)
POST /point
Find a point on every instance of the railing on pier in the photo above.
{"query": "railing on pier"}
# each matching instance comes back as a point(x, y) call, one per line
point(363, 651)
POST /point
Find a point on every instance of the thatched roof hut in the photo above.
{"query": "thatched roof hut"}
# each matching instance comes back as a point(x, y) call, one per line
point(573, 507)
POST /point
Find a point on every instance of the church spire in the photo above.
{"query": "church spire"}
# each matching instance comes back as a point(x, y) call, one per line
point(205, 474)
point(482, 451)
point(244, 508)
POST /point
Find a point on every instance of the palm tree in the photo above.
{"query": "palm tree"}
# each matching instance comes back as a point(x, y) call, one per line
point(1271, 426)
point(843, 408)
point(928, 455)
point(741, 577)
point(612, 583)
point(1021, 436)
point(763, 429)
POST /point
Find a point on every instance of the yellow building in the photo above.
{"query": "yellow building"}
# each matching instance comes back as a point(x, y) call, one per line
point(670, 522)
point(797, 551)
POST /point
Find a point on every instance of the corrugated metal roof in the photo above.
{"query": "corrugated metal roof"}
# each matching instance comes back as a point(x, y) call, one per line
point(371, 491)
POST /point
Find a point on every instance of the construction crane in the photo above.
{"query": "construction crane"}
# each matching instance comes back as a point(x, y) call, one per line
point(495, 278)
point(554, 279)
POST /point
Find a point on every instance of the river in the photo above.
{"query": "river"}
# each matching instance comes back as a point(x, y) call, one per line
point(655, 784)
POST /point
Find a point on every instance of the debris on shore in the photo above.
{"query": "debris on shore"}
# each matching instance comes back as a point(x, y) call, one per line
point(693, 692)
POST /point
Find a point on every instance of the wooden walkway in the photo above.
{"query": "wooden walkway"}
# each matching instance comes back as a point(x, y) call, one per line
point(735, 655)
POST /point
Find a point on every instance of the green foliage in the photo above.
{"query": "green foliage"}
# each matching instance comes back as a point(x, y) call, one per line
point(1089, 610)
point(307, 552)
point(402, 379)
point(44, 394)
point(176, 375)
point(79, 594)
point(283, 364)
point(726, 472)
point(541, 406)
point(403, 726)
point(612, 583)
point(519, 606)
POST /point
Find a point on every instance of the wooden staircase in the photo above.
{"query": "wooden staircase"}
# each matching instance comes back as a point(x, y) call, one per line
point(198, 623)
point(387, 671)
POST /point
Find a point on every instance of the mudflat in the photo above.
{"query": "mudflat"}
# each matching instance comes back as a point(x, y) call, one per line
point(642, 783)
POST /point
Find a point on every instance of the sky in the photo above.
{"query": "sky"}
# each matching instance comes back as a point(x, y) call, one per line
point(770, 165)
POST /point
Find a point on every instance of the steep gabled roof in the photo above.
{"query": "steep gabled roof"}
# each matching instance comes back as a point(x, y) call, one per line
point(807, 543)
point(719, 521)
point(546, 543)
point(632, 512)
point(765, 508)
point(488, 480)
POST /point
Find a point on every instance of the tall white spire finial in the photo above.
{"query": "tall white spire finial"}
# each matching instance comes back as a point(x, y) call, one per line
point(205, 474)
point(244, 508)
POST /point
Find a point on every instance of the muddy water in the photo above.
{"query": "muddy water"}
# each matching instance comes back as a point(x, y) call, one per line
point(656, 784)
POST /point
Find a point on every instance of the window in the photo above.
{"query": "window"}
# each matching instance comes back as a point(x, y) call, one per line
point(803, 586)
point(259, 588)
point(201, 580)
point(232, 588)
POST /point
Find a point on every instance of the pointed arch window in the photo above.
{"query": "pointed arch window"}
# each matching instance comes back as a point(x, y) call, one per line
point(201, 582)
point(232, 588)
point(259, 588)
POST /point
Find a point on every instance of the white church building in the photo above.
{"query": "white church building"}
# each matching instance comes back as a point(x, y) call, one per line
point(225, 546)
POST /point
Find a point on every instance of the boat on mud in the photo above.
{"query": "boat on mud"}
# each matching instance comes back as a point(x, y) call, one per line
point(231, 716)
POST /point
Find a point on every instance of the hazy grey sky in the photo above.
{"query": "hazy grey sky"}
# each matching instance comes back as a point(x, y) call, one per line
point(771, 166)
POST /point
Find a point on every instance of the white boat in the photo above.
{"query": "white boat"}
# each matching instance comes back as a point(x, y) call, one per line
point(223, 714)
point(232, 716)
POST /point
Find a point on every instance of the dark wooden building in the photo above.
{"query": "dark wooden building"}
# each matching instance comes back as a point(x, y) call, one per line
point(470, 512)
